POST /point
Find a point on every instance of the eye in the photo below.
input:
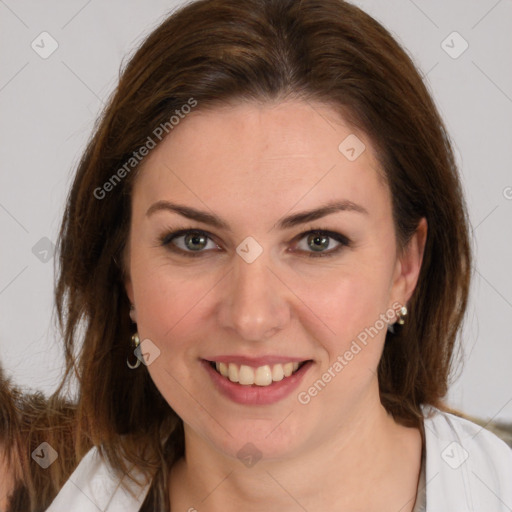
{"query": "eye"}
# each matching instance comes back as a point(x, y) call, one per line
point(195, 242)
point(189, 241)
point(320, 243)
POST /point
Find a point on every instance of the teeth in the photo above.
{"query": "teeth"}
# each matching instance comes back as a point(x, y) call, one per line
point(277, 372)
point(261, 376)
point(246, 375)
point(223, 369)
point(233, 372)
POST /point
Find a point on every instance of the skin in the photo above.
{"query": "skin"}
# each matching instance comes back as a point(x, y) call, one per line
point(253, 164)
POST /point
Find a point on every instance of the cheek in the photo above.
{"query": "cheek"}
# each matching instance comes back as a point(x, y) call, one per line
point(171, 313)
point(355, 319)
point(352, 304)
point(174, 311)
point(167, 303)
point(347, 302)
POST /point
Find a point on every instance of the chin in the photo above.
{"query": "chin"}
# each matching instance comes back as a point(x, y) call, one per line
point(256, 439)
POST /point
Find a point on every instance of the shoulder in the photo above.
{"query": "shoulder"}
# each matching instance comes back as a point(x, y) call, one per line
point(469, 467)
point(94, 485)
point(485, 446)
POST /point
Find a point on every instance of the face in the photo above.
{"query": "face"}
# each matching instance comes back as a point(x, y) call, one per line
point(260, 246)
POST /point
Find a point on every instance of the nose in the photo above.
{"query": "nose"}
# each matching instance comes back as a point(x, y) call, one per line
point(254, 303)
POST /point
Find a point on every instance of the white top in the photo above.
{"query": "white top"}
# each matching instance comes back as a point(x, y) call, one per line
point(468, 469)
point(94, 487)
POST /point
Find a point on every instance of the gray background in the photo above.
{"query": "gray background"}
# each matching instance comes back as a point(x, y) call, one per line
point(48, 107)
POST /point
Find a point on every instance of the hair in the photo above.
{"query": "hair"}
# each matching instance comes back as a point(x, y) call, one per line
point(217, 52)
point(27, 420)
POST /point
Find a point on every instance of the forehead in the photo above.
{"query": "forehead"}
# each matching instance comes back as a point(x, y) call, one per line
point(255, 154)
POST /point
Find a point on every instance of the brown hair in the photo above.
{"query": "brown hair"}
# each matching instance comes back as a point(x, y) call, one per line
point(27, 420)
point(218, 51)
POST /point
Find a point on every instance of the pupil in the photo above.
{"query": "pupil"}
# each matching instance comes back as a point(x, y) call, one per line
point(195, 241)
point(318, 242)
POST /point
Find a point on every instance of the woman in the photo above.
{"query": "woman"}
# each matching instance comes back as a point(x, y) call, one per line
point(264, 267)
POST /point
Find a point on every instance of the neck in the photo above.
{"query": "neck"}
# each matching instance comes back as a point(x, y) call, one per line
point(354, 467)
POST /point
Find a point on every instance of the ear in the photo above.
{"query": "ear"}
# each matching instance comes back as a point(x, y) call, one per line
point(129, 291)
point(128, 285)
point(408, 265)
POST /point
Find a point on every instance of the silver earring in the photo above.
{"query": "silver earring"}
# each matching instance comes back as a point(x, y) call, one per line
point(400, 315)
point(135, 343)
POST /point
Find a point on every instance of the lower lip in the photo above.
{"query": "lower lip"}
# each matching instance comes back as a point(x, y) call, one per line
point(257, 395)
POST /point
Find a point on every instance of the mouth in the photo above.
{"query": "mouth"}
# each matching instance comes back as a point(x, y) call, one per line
point(256, 381)
point(261, 376)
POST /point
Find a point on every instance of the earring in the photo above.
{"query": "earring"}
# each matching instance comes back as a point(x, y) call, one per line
point(400, 315)
point(135, 343)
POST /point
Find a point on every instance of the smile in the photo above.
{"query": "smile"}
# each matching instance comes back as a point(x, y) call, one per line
point(261, 380)
point(261, 376)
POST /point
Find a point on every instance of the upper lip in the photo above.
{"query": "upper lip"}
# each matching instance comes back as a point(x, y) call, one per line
point(256, 361)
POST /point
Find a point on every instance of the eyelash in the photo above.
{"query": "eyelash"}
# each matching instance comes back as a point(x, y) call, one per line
point(166, 239)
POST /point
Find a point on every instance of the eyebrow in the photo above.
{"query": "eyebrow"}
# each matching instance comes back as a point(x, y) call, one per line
point(285, 223)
